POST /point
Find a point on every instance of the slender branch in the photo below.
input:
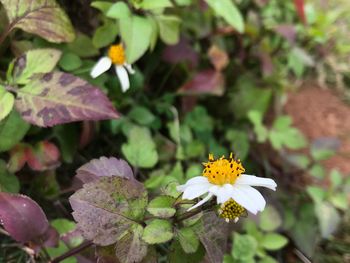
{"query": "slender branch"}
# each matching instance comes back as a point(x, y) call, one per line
point(5, 33)
point(194, 212)
point(72, 252)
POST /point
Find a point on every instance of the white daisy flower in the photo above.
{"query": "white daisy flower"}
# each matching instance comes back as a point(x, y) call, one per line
point(116, 56)
point(224, 179)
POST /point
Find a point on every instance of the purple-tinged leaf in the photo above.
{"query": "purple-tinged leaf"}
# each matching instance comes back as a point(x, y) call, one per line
point(266, 63)
point(58, 98)
point(287, 31)
point(41, 17)
point(212, 232)
point(205, 82)
point(104, 166)
point(106, 208)
point(33, 62)
point(181, 52)
point(51, 237)
point(22, 217)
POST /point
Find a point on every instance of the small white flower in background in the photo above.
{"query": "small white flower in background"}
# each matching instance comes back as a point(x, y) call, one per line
point(116, 56)
point(224, 179)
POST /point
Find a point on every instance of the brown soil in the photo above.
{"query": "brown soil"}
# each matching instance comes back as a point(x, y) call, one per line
point(321, 113)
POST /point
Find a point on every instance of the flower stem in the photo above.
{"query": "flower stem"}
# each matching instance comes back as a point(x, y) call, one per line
point(72, 252)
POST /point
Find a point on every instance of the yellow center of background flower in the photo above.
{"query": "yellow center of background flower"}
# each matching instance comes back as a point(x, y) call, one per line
point(116, 54)
point(231, 210)
point(222, 171)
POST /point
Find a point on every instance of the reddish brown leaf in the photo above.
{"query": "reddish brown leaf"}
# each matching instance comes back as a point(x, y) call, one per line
point(300, 8)
point(104, 166)
point(44, 156)
point(218, 57)
point(87, 133)
point(287, 31)
point(181, 52)
point(22, 217)
point(266, 63)
point(57, 98)
point(205, 82)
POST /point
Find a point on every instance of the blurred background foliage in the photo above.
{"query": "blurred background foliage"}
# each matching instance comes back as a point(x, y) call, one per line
point(211, 77)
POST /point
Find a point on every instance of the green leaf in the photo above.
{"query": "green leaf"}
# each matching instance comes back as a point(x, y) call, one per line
point(158, 231)
point(8, 181)
point(336, 178)
point(320, 153)
point(249, 97)
point(161, 206)
point(58, 251)
point(328, 218)
point(282, 123)
point(103, 6)
point(270, 219)
point(178, 255)
point(317, 171)
point(239, 142)
point(56, 98)
point(188, 239)
point(317, 193)
point(82, 46)
point(33, 62)
point(260, 130)
point(228, 11)
point(70, 62)
point(244, 247)
point(268, 259)
point(118, 10)
point(105, 35)
point(136, 33)
point(63, 225)
point(340, 201)
point(155, 4)
point(169, 27)
point(28, 15)
point(6, 102)
point(140, 150)
point(273, 241)
point(12, 130)
point(142, 115)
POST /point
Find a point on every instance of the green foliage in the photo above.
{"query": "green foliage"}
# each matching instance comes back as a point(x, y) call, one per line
point(140, 150)
point(158, 231)
point(210, 77)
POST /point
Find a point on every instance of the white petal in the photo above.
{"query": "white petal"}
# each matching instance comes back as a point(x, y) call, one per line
point(244, 200)
point(205, 199)
point(129, 68)
point(100, 67)
point(252, 180)
point(224, 193)
point(123, 77)
point(254, 195)
point(197, 180)
point(195, 190)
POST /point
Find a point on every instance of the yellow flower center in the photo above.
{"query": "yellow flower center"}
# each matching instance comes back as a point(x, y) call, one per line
point(222, 171)
point(116, 54)
point(230, 210)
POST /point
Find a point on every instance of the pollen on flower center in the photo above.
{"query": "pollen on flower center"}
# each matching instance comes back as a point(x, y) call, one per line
point(231, 210)
point(116, 54)
point(222, 171)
